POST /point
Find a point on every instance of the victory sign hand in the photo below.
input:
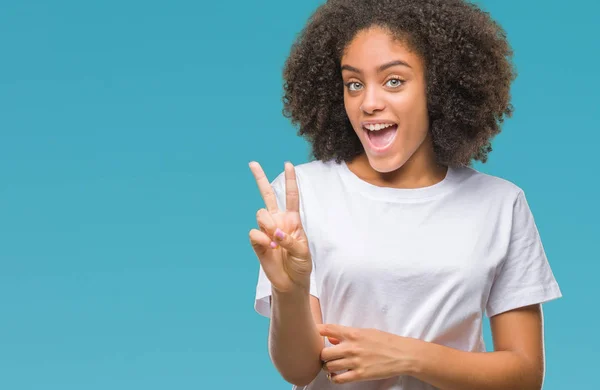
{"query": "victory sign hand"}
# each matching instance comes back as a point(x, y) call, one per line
point(281, 244)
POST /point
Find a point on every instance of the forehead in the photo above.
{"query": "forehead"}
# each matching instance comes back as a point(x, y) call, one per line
point(374, 46)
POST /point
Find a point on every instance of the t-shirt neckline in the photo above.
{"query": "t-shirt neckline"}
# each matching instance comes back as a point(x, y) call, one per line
point(389, 193)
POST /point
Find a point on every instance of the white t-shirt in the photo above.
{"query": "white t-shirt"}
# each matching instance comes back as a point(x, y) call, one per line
point(424, 263)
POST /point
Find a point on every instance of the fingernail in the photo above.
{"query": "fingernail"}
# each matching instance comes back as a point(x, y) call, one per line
point(273, 245)
point(279, 234)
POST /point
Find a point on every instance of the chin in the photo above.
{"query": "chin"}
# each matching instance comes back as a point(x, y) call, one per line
point(387, 164)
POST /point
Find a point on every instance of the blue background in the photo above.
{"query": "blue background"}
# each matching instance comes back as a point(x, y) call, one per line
point(126, 128)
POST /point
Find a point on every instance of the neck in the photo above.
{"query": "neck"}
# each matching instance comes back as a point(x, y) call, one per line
point(414, 173)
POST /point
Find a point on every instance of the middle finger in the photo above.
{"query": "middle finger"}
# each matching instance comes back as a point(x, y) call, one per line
point(291, 188)
point(338, 365)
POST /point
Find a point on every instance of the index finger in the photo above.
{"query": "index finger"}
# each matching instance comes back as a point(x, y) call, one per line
point(338, 332)
point(291, 188)
point(264, 186)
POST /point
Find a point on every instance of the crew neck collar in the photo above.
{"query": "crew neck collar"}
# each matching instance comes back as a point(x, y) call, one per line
point(396, 194)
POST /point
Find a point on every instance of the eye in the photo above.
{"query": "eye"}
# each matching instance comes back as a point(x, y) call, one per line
point(353, 85)
point(394, 82)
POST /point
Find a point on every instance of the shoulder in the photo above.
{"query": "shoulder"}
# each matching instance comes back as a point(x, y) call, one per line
point(312, 173)
point(486, 185)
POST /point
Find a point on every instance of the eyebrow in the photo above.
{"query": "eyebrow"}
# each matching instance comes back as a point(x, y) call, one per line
point(380, 69)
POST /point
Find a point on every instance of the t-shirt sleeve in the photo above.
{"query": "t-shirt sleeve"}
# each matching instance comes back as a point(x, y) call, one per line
point(262, 303)
point(524, 277)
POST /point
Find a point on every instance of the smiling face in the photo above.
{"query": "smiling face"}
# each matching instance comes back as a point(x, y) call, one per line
point(385, 100)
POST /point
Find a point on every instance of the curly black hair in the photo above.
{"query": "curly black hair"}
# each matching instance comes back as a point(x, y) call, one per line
point(468, 73)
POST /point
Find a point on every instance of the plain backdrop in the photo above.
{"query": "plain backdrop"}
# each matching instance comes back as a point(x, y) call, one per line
point(126, 200)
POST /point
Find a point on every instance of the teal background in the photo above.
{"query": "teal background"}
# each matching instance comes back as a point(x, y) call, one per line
point(126, 200)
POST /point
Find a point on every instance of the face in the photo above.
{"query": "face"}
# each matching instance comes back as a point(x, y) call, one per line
point(385, 100)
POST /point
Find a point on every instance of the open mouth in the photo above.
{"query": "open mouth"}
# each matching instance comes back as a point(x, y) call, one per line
point(381, 136)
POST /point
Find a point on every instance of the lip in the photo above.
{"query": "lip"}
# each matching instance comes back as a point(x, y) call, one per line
point(375, 149)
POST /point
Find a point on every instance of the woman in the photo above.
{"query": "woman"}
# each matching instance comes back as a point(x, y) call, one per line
point(389, 236)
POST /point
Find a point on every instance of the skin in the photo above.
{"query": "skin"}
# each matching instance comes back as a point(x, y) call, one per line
point(518, 358)
point(395, 94)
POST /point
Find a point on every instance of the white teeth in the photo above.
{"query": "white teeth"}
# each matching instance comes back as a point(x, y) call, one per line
point(378, 126)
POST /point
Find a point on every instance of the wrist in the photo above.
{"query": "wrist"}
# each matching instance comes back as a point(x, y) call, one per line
point(294, 294)
point(412, 360)
point(296, 289)
point(289, 303)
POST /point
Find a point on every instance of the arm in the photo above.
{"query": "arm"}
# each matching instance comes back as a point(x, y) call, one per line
point(517, 363)
point(368, 354)
point(294, 342)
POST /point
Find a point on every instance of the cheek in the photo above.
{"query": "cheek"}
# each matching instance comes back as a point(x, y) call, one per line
point(408, 103)
point(411, 109)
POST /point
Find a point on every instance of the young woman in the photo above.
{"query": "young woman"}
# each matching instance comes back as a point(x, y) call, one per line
point(389, 237)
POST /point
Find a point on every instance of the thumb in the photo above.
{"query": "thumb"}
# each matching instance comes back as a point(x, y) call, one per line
point(290, 244)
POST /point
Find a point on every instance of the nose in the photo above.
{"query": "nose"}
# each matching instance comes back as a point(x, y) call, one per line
point(373, 101)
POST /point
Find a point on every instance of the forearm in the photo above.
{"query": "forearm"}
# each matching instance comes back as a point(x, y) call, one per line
point(452, 369)
point(294, 342)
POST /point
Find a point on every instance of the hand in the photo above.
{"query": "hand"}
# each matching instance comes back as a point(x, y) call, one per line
point(367, 354)
point(281, 244)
